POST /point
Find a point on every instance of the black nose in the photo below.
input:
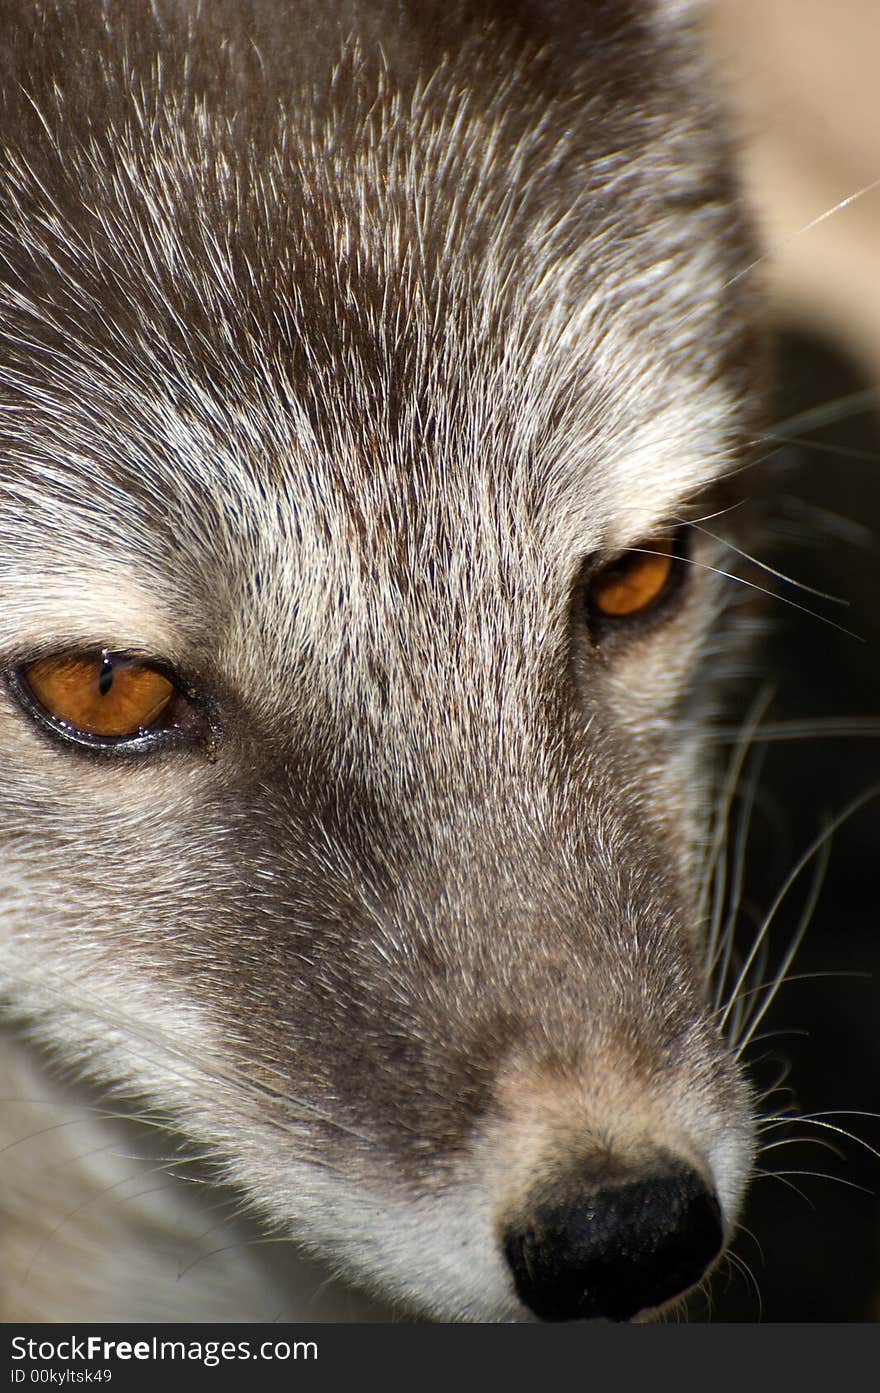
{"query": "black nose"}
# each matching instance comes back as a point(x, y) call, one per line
point(615, 1251)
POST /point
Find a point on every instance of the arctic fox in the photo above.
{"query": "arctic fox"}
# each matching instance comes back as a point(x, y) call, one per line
point(363, 369)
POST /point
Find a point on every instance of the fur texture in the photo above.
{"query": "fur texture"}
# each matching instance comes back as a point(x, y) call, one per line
point(340, 346)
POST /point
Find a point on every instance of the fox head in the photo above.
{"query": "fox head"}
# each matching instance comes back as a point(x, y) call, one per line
point(364, 370)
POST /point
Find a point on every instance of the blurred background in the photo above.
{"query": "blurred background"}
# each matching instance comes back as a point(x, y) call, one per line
point(803, 80)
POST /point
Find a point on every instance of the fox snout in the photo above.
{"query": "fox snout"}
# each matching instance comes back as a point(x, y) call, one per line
point(534, 1097)
point(617, 1196)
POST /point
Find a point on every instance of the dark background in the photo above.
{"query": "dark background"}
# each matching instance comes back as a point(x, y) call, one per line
point(812, 1241)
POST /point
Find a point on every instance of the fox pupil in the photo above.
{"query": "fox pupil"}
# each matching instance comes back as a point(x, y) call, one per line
point(105, 681)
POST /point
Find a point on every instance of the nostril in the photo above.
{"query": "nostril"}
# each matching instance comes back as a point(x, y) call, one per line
point(615, 1251)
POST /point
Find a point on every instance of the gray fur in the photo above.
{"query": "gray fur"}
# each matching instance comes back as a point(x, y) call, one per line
point(337, 344)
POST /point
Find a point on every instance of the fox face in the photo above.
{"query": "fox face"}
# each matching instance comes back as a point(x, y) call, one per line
point(365, 373)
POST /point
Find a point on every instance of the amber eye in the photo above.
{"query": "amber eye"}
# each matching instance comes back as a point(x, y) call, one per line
point(634, 582)
point(107, 695)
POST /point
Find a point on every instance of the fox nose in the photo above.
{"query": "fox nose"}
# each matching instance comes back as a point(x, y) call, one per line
point(617, 1250)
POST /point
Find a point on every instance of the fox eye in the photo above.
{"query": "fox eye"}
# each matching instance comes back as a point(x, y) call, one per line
point(103, 700)
point(636, 582)
point(104, 695)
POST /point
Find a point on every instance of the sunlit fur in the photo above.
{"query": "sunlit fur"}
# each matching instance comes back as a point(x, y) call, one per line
point(337, 343)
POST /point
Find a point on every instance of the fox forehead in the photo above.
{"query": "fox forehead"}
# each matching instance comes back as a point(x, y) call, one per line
point(394, 291)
